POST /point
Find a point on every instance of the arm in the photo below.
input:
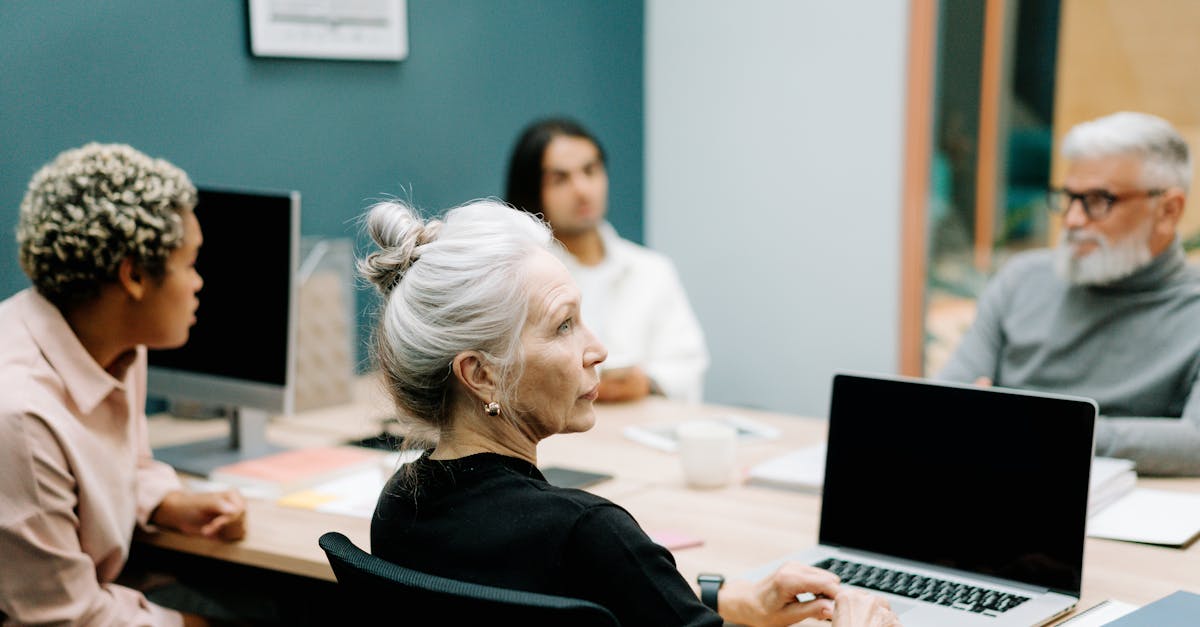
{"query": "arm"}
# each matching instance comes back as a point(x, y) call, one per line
point(616, 565)
point(773, 601)
point(678, 357)
point(636, 579)
point(161, 499)
point(978, 353)
point(209, 514)
point(1159, 446)
point(47, 577)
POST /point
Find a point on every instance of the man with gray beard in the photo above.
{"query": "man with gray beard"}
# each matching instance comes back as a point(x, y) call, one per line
point(1113, 312)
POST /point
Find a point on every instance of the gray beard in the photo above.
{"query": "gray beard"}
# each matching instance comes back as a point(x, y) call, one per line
point(1107, 263)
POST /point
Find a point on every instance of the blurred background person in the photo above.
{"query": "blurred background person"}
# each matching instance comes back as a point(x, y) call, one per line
point(633, 297)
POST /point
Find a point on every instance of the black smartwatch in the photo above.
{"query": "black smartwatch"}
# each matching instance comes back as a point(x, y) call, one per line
point(710, 585)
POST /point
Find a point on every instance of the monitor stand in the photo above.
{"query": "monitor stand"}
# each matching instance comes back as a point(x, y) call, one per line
point(247, 440)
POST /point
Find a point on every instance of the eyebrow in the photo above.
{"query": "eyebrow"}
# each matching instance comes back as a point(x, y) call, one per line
point(563, 309)
point(591, 163)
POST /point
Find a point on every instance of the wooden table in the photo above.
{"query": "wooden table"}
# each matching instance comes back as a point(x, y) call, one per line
point(742, 526)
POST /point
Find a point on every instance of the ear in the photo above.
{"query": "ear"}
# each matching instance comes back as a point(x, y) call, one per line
point(476, 375)
point(1171, 210)
point(132, 279)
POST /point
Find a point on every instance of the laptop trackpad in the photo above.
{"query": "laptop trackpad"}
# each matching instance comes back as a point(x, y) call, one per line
point(899, 608)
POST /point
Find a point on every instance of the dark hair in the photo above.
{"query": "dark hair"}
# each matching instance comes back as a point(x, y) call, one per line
point(524, 189)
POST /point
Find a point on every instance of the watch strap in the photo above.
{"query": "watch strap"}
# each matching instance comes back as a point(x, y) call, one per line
point(710, 587)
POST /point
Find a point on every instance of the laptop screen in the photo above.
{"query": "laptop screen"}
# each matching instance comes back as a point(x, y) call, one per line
point(989, 481)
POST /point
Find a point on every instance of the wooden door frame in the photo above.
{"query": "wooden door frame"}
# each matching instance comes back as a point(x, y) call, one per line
point(918, 152)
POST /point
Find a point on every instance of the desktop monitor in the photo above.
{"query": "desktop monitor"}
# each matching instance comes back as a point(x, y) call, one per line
point(240, 355)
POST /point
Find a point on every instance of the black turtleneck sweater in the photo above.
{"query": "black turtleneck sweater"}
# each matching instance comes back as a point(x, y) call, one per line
point(1132, 345)
point(494, 520)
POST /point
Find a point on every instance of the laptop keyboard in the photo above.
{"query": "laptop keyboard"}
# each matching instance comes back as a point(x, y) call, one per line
point(956, 595)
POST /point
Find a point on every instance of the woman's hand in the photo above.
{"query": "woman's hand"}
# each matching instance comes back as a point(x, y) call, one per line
point(772, 601)
point(621, 385)
point(855, 608)
point(209, 514)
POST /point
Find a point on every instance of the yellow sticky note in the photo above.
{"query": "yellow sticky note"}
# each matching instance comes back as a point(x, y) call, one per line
point(308, 499)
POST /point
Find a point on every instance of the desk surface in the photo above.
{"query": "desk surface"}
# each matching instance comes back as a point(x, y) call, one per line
point(742, 526)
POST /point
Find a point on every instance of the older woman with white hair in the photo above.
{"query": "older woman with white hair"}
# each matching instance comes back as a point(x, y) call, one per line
point(108, 237)
point(484, 352)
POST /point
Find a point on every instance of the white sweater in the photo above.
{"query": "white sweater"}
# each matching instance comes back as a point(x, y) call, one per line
point(636, 305)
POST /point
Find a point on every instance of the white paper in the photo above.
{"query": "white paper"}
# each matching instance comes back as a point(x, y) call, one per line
point(356, 494)
point(1151, 517)
point(662, 435)
point(1102, 614)
point(802, 469)
point(1111, 479)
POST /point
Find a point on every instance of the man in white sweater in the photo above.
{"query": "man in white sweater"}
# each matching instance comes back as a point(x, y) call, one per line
point(1113, 312)
point(632, 296)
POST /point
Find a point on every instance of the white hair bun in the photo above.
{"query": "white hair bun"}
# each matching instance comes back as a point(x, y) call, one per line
point(400, 232)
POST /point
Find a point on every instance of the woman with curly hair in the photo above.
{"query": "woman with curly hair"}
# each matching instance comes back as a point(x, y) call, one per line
point(108, 237)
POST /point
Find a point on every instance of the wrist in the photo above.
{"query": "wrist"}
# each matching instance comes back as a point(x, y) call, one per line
point(164, 514)
point(736, 603)
point(710, 590)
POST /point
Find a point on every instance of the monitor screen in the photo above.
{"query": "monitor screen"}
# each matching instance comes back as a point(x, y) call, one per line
point(240, 351)
point(987, 481)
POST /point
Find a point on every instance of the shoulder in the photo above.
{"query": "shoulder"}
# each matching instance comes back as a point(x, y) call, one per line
point(637, 251)
point(1184, 292)
point(643, 263)
point(28, 380)
point(1189, 276)
point(1031, 272)
point(571, 505)
point(568, 497)
point(1029, 264)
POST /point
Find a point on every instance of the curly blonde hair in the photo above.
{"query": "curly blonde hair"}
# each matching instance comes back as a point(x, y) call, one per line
point(92, 207)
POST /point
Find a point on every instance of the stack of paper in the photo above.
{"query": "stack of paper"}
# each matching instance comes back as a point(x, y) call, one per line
point(1150, 517)
point(281, 473)
point(353, 494)
point(1098, 615)
point(802, 470)
point(662, 435)
point(1111, 479)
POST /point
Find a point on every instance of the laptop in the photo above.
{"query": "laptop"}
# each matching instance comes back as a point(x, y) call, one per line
point(960, 505)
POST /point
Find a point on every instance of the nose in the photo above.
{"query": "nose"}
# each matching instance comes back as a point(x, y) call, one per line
point(1075, 216)
point(579, 184)
point(594, 353)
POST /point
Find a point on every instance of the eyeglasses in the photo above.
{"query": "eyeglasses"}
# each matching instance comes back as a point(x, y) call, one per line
point(1097, 203)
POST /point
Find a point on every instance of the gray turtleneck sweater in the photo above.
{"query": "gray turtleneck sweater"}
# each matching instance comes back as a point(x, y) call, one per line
point(1132, 345)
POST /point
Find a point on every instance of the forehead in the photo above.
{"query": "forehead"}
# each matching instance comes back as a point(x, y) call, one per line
point(1116, 172)
point(193, 237)
point(550, 285)
point(566, 152)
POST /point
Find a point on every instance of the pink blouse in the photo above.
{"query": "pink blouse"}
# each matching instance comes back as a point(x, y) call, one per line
point(76, 475)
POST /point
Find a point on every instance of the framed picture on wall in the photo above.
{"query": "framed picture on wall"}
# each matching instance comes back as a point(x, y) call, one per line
point(368, 30)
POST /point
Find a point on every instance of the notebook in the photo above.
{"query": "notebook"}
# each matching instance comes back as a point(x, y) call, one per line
point(275, 475)
point(961, 505)
point(1180, 609)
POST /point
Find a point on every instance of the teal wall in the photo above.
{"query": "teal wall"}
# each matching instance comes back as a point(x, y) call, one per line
point(175, 79)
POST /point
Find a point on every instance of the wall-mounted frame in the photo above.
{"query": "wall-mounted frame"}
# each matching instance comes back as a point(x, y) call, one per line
point(369, 30)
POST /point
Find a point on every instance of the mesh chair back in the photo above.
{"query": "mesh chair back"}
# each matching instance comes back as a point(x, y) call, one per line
point(376, 589)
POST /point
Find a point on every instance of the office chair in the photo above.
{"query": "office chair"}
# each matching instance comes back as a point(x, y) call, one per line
point(376, 589)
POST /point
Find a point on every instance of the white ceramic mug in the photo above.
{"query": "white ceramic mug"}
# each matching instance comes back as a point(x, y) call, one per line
point(708, 452)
